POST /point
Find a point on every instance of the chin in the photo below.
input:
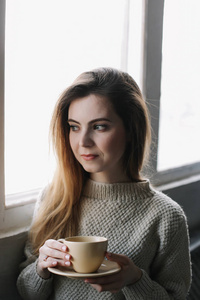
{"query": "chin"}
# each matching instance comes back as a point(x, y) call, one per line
point(91, 169)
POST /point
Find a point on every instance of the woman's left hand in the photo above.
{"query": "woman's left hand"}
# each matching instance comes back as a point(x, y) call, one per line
point(128, 274)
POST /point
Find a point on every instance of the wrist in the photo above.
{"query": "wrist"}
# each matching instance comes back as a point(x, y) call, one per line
point(138, 275)
point(42, 273)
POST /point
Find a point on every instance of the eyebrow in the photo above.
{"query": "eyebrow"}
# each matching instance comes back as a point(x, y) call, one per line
point(92, 121)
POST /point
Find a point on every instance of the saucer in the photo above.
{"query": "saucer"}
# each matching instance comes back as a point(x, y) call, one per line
point(107, 268)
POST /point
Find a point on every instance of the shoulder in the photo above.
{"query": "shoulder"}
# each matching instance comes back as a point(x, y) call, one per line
point(169, 217)
point(162, 211)
point(166, 206)
point(158, 203)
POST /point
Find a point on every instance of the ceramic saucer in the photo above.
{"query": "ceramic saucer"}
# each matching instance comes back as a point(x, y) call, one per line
point(107, 268)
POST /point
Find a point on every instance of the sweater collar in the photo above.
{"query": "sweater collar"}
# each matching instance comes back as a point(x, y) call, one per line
point(118, 191)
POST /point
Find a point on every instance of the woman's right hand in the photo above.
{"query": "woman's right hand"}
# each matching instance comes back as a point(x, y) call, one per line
point(51, 254)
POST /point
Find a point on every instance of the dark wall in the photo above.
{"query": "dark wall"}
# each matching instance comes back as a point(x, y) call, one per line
point(11, 254)
point(188, 196)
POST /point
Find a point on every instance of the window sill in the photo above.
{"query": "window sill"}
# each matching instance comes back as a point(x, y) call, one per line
point(177, 183)
point(179, 174)
point(17, 214)
point(21, 199)
point(13, 231)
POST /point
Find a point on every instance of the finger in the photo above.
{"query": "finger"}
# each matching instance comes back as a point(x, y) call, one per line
point(56, 245)
point(119, 258)
point(49, 251)
point(97, 287)
point(55, 249)
point(43, 265)
point(51, 245)
point(114, 288)
point(60, 262)
point(49, 263)
point(62, 258)
point(42, 268)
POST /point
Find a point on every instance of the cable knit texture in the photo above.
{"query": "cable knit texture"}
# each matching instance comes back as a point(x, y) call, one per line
point(138, 221)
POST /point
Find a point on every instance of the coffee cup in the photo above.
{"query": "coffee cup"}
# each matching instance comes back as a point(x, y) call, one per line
point(87, 252)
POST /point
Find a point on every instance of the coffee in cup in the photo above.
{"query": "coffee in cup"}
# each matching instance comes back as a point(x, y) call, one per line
point(87, 252)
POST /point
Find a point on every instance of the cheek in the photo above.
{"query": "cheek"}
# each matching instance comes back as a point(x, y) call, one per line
point(115, 144)
point(72, 142)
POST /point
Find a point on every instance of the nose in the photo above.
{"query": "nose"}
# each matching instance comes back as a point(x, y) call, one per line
point(86, 140)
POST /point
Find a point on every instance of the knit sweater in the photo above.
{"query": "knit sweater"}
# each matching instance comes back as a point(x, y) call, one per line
point(138, 221)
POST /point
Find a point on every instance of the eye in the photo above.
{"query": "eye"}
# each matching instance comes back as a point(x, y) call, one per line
point(73, 127)
point(100, 127)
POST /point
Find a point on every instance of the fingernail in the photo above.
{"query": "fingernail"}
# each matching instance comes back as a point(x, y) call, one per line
point(54, 263)
point(67, 256)
point(67, 263)
point(64, 248)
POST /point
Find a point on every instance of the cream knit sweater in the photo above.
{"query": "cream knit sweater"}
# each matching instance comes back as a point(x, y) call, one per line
point(139, 222)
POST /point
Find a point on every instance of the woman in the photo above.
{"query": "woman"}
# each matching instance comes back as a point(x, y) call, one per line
point(101, 134)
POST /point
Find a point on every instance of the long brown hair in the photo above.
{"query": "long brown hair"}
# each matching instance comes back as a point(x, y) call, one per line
point(58, 214)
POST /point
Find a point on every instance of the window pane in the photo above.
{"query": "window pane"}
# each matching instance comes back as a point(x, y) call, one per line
point(180, 94)
point(49, 43)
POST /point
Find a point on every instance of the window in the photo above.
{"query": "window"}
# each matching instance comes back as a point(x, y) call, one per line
point(180, 94)
point(47, 44)
point(171, 62)
point(53, 42)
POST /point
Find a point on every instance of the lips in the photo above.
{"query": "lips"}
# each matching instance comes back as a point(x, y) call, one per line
point(88, 157)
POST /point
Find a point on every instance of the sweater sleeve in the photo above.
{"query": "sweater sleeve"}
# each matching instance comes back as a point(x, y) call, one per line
point(30, 285)
point(170, 273)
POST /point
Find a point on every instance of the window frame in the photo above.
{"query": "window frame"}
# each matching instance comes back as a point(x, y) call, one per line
point(18, 214)
point(2, 55)
point(152, 66)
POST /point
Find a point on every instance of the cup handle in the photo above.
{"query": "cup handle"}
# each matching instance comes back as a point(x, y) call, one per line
point(61, 240)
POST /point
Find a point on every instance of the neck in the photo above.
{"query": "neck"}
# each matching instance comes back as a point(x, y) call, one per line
point(107, 178)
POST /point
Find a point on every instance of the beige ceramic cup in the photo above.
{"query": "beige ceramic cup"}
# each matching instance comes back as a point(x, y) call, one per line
point(87, 252)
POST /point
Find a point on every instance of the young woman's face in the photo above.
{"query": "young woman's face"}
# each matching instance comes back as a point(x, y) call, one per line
point(97, 138)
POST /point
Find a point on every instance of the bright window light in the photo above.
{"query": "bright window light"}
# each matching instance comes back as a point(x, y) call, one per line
point(180, 94)
point(48, 44)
